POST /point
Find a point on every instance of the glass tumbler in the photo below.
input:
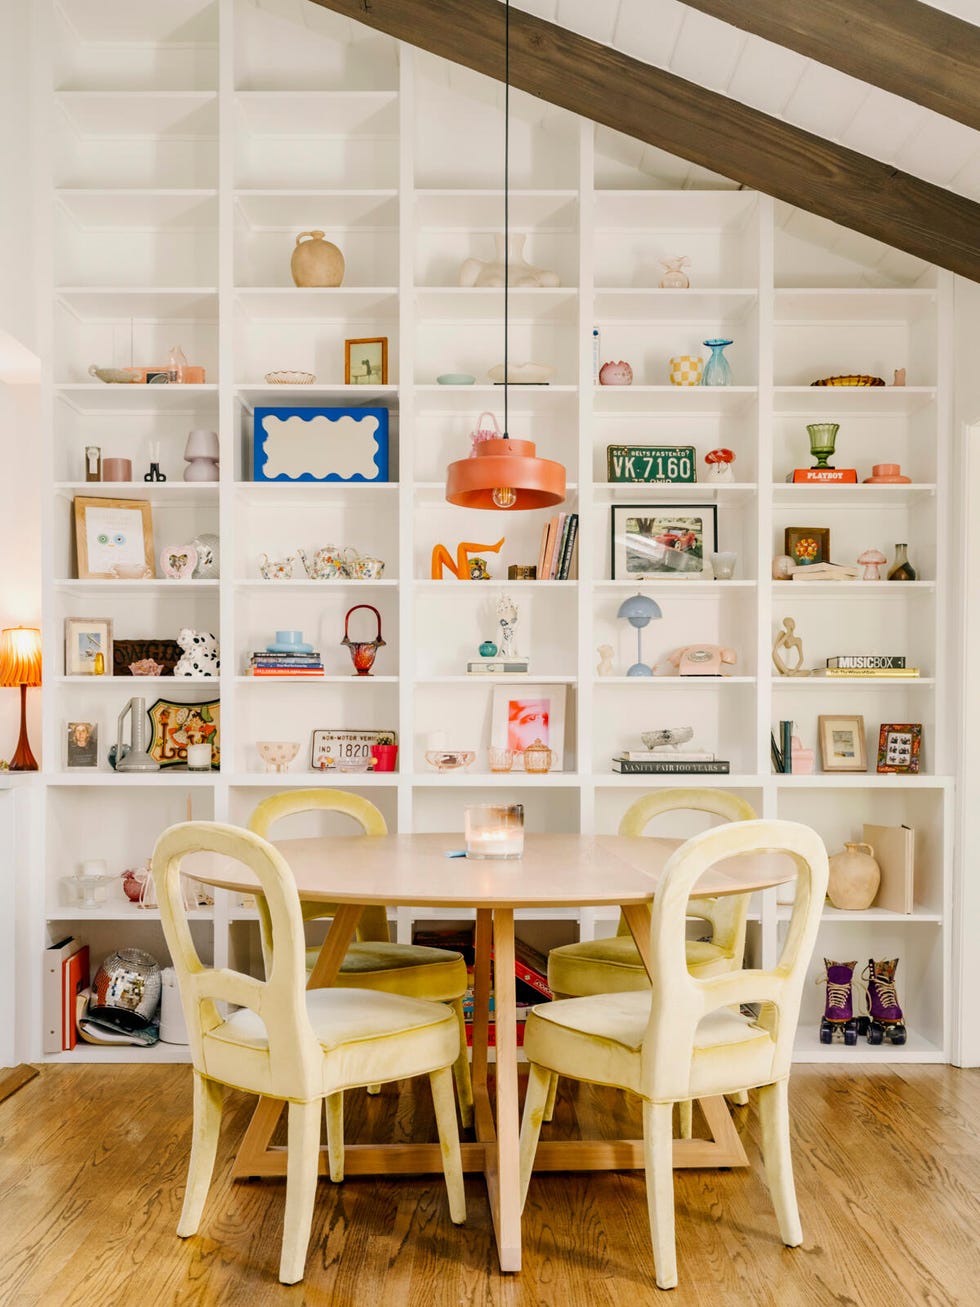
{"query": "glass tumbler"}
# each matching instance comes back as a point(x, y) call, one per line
point(495, 831)
point(500, 759)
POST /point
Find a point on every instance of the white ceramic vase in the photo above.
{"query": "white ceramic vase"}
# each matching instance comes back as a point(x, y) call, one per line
point(490, 272)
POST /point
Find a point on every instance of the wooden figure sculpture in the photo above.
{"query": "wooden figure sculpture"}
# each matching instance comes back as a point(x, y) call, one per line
point(462, 569)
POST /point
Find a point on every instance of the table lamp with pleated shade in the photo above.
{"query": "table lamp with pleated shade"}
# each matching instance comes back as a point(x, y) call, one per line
point(20, 664)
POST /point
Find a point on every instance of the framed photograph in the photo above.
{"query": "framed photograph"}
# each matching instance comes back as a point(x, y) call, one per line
point(173, 726)
point(366, 362)
point(83, 744)
point(662, 540)
point(342, 749)
point(523, 713)
point(842, 744)
point(113, 537)
point(807, 544)
point(86, 638)
point(898, 747)
point(320, 444)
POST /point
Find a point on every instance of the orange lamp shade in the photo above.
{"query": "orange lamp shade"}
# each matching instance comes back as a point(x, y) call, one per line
point(20, 656)
point(505, 474)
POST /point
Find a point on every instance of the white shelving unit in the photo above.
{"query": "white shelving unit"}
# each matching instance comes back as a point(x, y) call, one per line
point(189, 146)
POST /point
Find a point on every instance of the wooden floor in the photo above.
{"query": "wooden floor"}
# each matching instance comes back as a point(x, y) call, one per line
point(92, 1163)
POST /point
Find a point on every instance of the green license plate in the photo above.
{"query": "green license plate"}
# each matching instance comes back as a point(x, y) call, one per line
point(651, 463)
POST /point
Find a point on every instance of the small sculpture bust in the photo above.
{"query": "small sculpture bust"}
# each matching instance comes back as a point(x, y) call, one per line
point(605, 667)
point(507, 621)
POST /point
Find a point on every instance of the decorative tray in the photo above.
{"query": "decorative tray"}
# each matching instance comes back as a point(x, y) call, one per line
point(854, 379)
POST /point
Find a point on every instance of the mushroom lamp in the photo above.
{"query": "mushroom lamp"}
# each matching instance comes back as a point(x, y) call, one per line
point(872, 560)
point(719, 463)
point(638, 610)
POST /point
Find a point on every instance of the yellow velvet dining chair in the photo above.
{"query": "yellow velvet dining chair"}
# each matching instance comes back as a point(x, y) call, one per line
point(686, 1037)
point(284, 1041)
point(373, 961)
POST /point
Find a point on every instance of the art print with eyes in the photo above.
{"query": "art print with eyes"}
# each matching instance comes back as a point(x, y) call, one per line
point(523, 714)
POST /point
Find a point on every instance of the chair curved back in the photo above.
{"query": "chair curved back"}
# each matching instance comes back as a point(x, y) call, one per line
point(373, 924)
point(293, 1063)
point(680, 1000)
point(728, 914)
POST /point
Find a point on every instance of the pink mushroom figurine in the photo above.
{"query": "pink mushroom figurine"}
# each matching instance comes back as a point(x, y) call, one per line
point(872, 561)
point(719, 463)
point(616, 374)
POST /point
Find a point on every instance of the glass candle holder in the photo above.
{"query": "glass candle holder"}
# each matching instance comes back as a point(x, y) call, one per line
point(500, 759)
point(495, 831)
point(723, 565)
point(199, 757)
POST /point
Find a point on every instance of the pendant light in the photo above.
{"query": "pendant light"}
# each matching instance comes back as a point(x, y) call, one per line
point(505, 473)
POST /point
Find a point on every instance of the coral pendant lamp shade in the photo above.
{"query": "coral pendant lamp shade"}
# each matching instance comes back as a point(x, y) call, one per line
point(505, 474)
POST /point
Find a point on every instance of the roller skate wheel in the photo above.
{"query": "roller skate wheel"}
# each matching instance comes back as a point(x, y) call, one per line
point(875, 1033)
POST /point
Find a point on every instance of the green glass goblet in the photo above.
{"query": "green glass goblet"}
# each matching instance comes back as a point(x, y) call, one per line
point(823, 435)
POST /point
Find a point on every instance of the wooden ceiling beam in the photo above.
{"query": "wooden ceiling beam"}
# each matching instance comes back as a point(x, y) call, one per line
point(910, 49)
point(752, 148)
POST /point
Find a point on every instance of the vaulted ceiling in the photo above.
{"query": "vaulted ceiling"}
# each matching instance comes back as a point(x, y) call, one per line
point(785, 119)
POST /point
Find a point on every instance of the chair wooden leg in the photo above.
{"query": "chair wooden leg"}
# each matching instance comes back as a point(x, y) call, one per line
point(334, 1106)
point(452, 1162)
point(774, 1120)
point(658, 1150)
point(549, 1107)
point(208, 1099)
point(685, 1119)
point(303, 1137)
point(538, 1087)
point(461, 1069)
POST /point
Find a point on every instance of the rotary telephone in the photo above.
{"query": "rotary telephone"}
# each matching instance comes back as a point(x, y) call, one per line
point(702, 659)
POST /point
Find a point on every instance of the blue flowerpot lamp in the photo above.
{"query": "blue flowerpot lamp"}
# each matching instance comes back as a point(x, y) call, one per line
point(639, 611)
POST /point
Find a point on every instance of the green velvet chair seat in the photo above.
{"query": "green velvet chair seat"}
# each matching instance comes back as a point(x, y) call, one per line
point(599, 966)
point(433, 973)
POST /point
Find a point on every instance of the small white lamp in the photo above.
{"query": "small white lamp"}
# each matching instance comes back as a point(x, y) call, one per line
point(201, 455)
point(639, 611)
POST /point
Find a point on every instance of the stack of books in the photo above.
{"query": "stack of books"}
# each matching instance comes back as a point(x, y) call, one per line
point(668, 762)
point(827, 572)
point(869, 666)
point(558, 555)
point(263, 663)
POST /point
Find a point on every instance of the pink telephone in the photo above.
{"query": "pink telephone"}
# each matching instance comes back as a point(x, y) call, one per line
point(702, 659)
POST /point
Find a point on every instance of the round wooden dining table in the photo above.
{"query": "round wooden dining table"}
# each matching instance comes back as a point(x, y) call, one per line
point(556, 870)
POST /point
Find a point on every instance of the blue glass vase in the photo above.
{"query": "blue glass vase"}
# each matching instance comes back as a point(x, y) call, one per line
point(717, 370)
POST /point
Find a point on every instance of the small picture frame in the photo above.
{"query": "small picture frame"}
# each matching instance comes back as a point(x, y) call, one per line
point(807, 544)
point(366, 361)
point(85, 639)
point(842, 745)
point(660, 541)
point(113, 537)
point(82, 739)
point(524, 713)
point(899, 746)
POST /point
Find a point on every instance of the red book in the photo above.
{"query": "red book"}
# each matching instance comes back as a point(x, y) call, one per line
point(827, 476)
point(492, 1034)
point(74, 972)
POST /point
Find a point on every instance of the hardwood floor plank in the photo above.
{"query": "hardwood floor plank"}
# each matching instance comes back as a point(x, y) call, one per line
point(887, 1160)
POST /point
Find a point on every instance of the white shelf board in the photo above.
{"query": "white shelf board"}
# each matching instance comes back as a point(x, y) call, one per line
point(807, 1048)
point(485, 304)
point(865, 305)
point(856, 591)
point(172, 209)
point(615, 780)
point(538, 400)
point(838, 916)
point(97, 777)
point(319, 113)
point(304, 584)
point(291, 678)
point(507, 678)
point(154, 492)
point(124, 585)
point(483, 210)
point(309, 778)
point(854, 496)
point(683, 589)
point(122, 1053)
point(347, 304)
point(652, 401)
point(851, 400)
point(286, 494)
point(116, 401)
point(824, 682)
point(119, 910)
point(268, 395)
point(463, 777)
point(152, 683)
point(149, 303)
point(649, 305)
point(862, 780)
point(292, 210)
point(711, 492)
point(676, 682)
point(141, 113)
point(450, 583)
point(111, 22)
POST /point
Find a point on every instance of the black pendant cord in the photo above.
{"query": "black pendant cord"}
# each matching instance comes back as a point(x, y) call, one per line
point(506, 211)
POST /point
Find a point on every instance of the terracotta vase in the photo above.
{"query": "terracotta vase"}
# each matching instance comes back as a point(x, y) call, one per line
point(854, 877)
point(316, 262)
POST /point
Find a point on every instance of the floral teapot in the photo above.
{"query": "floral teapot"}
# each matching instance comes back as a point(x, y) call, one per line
point(329, 562)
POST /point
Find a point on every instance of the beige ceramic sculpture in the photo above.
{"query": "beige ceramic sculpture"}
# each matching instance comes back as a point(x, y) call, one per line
point(490, 272)
point(316, 262)
point(787, 640)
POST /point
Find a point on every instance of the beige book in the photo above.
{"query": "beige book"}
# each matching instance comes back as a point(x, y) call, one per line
point(894, 848)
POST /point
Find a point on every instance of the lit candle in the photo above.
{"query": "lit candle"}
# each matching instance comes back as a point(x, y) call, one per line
point(495, 832)
point(199, 757)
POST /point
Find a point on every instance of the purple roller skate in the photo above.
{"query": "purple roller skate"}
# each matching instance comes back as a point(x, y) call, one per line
point(885, 1019)
point(838, 1021)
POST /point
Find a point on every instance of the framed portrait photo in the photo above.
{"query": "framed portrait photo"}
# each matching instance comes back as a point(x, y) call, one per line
point(662, 540)
point(807, 544)
point(842, 744)
point(898, 747)
point(88, 646)
point(82, 741)
point(113, 537)
point(523, 713)
point(366, 361)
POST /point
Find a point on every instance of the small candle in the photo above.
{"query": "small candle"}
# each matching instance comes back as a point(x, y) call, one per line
point(495, 832)
point(199, 757)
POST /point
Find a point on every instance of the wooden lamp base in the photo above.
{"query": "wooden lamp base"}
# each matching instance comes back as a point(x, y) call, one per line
point(23, 759)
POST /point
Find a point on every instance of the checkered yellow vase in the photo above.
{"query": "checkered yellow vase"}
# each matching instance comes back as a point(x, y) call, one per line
point(686, 370)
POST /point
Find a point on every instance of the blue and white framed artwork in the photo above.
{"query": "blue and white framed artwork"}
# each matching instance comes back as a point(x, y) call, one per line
point(320, 444)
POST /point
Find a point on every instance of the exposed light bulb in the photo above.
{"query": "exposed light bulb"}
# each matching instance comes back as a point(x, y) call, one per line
point(504, 496)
